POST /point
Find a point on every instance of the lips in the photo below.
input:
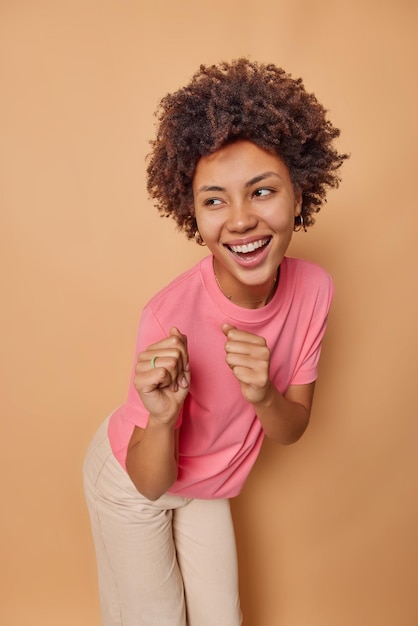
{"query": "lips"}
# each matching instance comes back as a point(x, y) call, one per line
point(248, 248)
point(250, 253)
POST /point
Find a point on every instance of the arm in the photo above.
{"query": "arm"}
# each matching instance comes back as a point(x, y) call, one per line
point(283, 417)
point(286, 417)
point(151, 460)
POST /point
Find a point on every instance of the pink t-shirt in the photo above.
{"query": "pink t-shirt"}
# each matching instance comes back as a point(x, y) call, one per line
point(220, 435)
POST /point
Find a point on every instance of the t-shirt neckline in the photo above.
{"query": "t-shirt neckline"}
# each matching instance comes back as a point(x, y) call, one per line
point(232, 310)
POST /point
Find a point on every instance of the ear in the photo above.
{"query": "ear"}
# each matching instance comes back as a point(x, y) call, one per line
point(298, 202)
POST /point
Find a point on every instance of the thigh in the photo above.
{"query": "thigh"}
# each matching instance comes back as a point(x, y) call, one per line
point(206, 553)
point(139, 579)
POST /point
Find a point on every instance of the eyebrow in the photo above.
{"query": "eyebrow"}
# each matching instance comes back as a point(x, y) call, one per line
point(250, 183)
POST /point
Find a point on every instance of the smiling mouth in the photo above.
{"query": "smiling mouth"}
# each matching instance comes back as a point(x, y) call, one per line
point(249, 248)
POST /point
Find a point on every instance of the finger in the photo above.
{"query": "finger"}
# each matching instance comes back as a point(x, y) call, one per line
point(183, 378)
point(161, 377)
point(226, 328)
point(154, 368)
point(158, 378)
point(184, 381)
point(234, 334)
point(179, 377)
point(175, 340)
point(170, 354)
point(255, 354)
point(174, 332)
point(153, 359)
point(171, 365)
point(249, 376)
point(171, 347)
point(248, 362)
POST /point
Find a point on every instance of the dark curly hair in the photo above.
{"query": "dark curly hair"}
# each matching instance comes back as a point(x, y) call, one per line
point(241, 100)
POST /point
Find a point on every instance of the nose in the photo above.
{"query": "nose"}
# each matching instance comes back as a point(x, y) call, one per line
point(241, 217)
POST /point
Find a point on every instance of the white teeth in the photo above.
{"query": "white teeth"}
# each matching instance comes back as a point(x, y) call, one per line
point(250, 247)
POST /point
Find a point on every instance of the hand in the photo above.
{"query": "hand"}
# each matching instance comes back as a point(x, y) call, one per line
point(163, 378)
point(249, 359)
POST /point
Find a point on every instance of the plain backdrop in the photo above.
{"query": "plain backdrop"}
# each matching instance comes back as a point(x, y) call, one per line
point(327, 528)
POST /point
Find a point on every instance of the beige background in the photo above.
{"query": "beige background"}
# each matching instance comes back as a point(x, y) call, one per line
point(327, 529)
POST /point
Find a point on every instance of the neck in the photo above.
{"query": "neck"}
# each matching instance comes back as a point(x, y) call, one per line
point(252, 298)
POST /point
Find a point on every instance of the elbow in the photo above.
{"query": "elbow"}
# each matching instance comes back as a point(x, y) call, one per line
point(154, 489)
point(286, 439)
point(290, 435)
point(150, 494)
point(292, 439)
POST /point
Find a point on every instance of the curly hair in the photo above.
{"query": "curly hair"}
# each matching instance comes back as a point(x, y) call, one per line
point(223, 103)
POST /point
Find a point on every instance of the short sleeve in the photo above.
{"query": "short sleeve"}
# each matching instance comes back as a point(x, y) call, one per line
point(312, 326)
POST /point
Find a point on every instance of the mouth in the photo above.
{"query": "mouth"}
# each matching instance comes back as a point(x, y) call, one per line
point(249, 250)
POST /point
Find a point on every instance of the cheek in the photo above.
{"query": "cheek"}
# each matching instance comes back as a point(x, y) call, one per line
point(209, 224)
point(281, 221)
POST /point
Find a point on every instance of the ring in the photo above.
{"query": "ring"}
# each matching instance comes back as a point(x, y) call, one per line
point(154, 358)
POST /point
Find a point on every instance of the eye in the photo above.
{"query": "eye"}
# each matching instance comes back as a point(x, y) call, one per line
point(263, 192)
point(212, 202)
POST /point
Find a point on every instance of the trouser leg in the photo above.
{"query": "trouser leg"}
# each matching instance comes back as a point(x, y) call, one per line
point(206, 552)
point(140, 582)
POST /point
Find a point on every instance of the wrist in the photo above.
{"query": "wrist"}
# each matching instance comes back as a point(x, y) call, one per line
point(161, 424)
point(268, 398)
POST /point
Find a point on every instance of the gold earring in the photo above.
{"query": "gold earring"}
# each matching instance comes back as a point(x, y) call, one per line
point(299, 224)
point(198, 239)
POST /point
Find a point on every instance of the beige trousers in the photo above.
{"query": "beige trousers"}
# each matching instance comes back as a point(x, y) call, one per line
point(171, 562)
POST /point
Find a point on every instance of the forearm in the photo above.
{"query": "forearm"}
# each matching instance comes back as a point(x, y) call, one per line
point(151, 462)
point(284, 420)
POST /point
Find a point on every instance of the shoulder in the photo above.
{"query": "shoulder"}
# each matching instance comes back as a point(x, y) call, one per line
point(308, 282)
point(181, 291)
point(305, 273)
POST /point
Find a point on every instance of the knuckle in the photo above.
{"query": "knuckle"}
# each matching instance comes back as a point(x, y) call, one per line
point(175, 341)
point(140, 357)
point(171, 362)
point(266, 352)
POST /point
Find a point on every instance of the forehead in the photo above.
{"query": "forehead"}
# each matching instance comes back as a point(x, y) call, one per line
point(238, 162)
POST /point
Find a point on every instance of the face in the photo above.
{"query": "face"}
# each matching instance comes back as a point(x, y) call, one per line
point(245, 207)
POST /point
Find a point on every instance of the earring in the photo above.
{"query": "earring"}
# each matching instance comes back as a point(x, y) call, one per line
point(299, 224)
point(198, 239)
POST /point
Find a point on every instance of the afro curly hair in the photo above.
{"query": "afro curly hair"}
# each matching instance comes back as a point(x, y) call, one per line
point(223, 103)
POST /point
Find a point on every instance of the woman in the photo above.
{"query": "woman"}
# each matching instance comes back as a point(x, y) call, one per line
point(226, 353)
